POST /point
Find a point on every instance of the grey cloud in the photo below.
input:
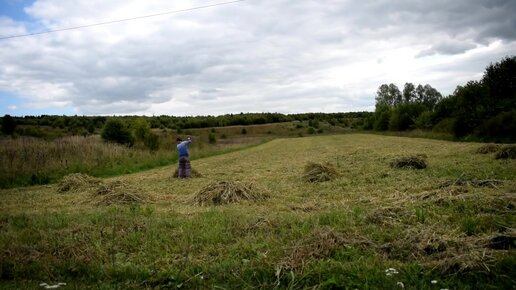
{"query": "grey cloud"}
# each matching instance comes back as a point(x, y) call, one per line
point(251, 56)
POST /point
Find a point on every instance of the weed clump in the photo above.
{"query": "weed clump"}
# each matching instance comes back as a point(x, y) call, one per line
point(316, 172)
point(506, 152)
point(195, 174)
point(118, 192)
point(488, 148)
point(76, 182)
point(225, 192)
point(413, 162)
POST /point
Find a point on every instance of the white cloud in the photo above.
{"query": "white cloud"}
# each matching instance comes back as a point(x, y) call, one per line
point(252, 56)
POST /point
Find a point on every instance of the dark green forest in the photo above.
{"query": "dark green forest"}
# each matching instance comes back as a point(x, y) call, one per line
point(483, 110)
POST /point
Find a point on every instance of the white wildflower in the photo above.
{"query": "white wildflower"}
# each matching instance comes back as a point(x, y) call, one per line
point(433, 281)
point(391, 271)
point(401, 285)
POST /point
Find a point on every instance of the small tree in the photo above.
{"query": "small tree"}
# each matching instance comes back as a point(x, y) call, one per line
point(115, 130)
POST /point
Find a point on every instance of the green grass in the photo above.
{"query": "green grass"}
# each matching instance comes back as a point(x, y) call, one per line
point(344, 233)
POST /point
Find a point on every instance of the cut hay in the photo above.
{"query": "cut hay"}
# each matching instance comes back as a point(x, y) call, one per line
point(488, 148)
point(225, 192)
point(117, 192)
point(506, 152)
point(316, 172)
point(318, 245)
point(412, 162)
point(490, 183)
point(77, 182)
point(195, 174)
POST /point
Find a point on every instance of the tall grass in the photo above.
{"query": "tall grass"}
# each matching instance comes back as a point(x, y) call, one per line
point(29, 161)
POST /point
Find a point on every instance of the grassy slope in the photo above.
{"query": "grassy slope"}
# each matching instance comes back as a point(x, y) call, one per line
point(345, 232)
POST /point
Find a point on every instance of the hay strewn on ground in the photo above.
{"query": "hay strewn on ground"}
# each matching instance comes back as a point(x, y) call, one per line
point(225, 192)
point(195, 173)
point(488, 148)
point(506, 152)
point(413, 162)
point(316, 172)
point(318, 245)
point(118, 192)
point(101, 193)
point(77, 182)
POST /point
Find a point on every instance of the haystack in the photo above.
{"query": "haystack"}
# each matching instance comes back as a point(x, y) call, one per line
point(414, 162)
point(118, 192)
point(488, 148)
point(316, 172)
point(225, 192)
point(77, 182)
point(195, 173)
point(506, 152)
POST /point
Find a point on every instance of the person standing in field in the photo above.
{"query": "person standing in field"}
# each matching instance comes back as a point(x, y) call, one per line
point(185, 170)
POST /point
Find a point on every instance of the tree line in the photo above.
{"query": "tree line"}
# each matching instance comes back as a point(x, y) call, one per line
point(483, 110)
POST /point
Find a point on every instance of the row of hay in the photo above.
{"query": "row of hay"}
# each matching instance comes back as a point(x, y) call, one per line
point(101, 193)
point(500, 151)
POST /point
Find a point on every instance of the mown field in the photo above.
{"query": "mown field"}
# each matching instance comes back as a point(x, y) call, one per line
point(448, 226)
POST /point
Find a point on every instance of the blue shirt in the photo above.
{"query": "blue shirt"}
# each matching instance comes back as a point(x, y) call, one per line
point(182, 148)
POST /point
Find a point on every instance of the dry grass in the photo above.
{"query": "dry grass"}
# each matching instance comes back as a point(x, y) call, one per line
point(413, 162)
point(118, 192)
point(319, 244)
point(506, 152)
point(316, 172)
point(77, 182)
point(487, 148)
point(225, 192)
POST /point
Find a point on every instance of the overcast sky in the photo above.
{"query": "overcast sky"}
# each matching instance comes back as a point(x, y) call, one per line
point(287, 56)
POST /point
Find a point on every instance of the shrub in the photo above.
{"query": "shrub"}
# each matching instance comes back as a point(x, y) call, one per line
point(8, 125)
point(151, 141)
point(211, 138)
point(115, 130)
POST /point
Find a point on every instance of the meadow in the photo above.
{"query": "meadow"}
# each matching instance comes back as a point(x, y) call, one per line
point(31, 161)
point(450, 225)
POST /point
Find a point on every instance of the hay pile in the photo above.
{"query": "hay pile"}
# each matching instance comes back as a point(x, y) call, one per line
point(77, 182)
point(506, 152)
point(318, 245)
point(412, 162)
point(316, 172)
point(488, 148)
point(118, 192)
point(195, 173)
point(225, 192)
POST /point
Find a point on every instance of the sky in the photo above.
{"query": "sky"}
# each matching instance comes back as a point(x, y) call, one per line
point(285, 56)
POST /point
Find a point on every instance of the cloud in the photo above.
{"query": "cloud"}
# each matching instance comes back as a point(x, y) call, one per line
point(268, 55)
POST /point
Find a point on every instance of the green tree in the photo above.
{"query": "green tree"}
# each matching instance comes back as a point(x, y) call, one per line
point(141, 129)
point(388, 95)
point(116, 130)
point(409, 93)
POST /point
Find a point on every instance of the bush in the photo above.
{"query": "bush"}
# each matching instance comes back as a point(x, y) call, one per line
point(115, 130)
point(501, 127)
point(8, 125)
point(211, 138)
point(151, 141)
point(444, 126)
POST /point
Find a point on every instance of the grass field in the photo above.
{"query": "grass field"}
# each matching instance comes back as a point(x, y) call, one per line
point(448, 226)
